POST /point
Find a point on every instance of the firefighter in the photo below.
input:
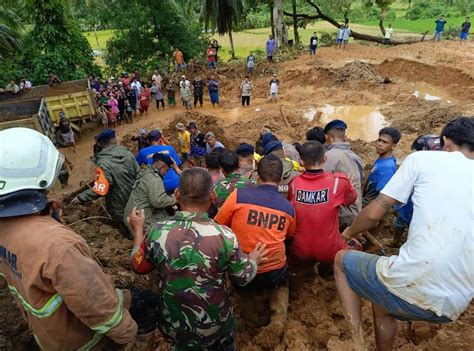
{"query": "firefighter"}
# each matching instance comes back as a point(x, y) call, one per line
point(67, 299)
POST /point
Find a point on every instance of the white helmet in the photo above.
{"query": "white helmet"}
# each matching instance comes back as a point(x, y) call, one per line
point(28, 161)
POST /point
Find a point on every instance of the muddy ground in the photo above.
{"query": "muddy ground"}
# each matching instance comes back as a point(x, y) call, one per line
point(416, 88)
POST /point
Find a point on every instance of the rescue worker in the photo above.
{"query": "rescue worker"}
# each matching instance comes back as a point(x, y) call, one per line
point(341, 159)
point(192, 254)
point(68, 301)
point(246, 160)
point(289, 151)
point(157, 145)
point(149, 194)
point(229, 163)
point(261, 215)
point(114, 177)
point(317, 196)
point(276, 148)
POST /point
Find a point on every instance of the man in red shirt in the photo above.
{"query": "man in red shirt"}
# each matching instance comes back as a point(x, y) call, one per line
point(316, 196)
point(211, 57)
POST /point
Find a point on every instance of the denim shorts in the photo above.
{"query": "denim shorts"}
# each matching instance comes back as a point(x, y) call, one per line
point(359, 269)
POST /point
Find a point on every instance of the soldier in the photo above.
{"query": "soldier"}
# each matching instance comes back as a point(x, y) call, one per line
point(192, 255)
point(68, 301)
point(341, 159)
point(148, 192)
point(229, 162)
point(114, 176)
point(276, 148)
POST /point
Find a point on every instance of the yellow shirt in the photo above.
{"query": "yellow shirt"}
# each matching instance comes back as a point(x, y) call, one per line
point(184, 138)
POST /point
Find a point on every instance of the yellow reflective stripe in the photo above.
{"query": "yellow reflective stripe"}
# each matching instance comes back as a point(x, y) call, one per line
point(92, 342)
point(116, 318)
point(47, 310)
point(37, 341)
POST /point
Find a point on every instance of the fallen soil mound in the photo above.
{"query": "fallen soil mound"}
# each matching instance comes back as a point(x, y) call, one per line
point(461, 85)
point(357, 72)
point(422, 117)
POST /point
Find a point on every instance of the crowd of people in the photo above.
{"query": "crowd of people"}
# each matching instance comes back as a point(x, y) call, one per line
point(264, 214)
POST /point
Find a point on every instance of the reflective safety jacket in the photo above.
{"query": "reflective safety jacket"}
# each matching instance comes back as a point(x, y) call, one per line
point(68, 301)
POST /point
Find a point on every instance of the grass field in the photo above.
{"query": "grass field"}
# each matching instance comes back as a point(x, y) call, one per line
point(102, 37)
point(254, 39)
point(422, 25)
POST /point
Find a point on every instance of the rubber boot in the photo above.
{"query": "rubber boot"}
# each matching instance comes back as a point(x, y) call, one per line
point(270, 336)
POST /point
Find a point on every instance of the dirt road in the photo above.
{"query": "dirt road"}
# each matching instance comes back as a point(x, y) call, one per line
point(428, 84)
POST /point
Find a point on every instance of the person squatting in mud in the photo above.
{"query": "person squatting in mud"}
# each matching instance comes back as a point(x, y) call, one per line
point(320, 183)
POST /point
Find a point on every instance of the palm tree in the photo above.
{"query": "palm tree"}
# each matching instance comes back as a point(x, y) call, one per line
point(221, 15)
point(9, 31)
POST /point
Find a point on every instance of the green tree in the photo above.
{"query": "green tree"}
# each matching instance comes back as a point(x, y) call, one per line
point(222, 15)
point(147, 38)
point(9, 31)
point(56, 43)
point(383, 5)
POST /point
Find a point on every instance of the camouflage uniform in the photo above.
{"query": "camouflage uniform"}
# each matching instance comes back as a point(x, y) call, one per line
point(224, 187)
point(248, 172)
point(289, 173)
point(192, 254)
point(148, 193)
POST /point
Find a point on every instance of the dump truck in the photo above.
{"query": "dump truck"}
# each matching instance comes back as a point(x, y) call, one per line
point(39, 107)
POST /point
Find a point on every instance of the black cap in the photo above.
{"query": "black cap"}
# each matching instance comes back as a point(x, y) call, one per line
point(245, 150)
point(163, 158)
point(154, 135)
point(336, 124)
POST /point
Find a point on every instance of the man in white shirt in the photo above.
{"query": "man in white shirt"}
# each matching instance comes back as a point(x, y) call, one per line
point(388, 33)
point(156, 78)
point(432, 278)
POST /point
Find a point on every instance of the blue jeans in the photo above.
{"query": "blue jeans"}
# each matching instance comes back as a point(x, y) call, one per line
point(359, 269)
point(437, 35)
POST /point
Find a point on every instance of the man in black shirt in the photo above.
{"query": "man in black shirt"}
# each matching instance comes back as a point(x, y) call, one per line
point(313, 44)
point(198, 85)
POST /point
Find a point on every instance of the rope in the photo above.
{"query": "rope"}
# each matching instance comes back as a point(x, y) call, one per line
point(86, 219)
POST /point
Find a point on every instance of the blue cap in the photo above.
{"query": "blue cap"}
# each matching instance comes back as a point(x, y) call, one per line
point(268, 137)
point(335, 124)
point(272, 146)
point(105, 136)
point(245, 149)
point(154, 135)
